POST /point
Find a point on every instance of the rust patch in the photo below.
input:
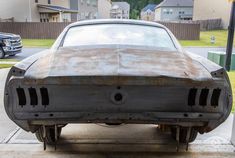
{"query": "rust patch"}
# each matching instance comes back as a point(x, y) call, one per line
point(122, 64)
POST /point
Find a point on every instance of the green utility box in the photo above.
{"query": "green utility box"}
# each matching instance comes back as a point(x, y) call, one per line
point(219, 58)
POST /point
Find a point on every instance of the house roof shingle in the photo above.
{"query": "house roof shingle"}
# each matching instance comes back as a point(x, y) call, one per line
point(57, 8)
point(149, 7)
point(176, 3)
point(123, 5)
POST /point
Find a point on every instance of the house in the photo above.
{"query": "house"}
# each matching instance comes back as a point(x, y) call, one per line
point(212, 9)
point(120, 10)
point(53, 10)
point(36, 10)
point(87, 9)
point(104, 8)
point(174, 10)
point(148, 12)
point(91, 9)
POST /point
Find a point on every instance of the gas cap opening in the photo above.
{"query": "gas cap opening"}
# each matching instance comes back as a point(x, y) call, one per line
point(118, 97)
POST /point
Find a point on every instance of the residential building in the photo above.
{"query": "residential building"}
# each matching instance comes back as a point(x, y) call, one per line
point(87, 9)
point(148, 12)
point(212, 9)
point(104, 8)
point(36, 10)
point(174, 10)
point(90, 9)
point(120, 10)
point(53, 10)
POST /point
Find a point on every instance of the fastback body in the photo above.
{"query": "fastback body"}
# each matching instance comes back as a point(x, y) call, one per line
point(117, 84)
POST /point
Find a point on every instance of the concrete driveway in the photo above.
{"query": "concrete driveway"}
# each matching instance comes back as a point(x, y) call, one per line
point(98, 140)
point(7, 128)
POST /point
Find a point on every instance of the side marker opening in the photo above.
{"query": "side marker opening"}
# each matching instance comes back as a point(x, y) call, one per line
point(192, 97)
point(33, 96)
point(21, 96)
point(203, 97)
point(215, 97)
point(45, 96)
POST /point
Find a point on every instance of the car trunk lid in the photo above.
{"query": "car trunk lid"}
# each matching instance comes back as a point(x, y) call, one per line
point(116, 64)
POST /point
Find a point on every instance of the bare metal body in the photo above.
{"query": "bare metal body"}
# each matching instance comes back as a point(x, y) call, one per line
point(117, 84)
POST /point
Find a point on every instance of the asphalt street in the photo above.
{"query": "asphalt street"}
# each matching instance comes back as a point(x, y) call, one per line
point(26, 52)
point(98, 140)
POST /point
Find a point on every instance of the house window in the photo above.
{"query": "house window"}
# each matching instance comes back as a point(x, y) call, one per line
point(88, 2)
point(49, 1)
point(94, 3)
point(36, 1)
point(171, 11)
point(87, 15)
point(82, 16)
point(164, 11)
point(181, 12)
point(96, 15)
point(44, 17)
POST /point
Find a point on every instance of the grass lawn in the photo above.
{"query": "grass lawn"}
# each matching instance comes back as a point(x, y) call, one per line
point(205, 36)
point(2, 66)
point(38, 42)
point(8, 60)
point(6, 65)
point(205, 39)
point(232, 79)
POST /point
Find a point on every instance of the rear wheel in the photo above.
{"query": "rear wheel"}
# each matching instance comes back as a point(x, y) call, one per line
point(2, 53)
point(183, 134)
point(50, 134)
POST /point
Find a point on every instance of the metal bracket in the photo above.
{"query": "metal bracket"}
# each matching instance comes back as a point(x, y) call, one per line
point(44, 137)
point(178, 138)
point(187, 137)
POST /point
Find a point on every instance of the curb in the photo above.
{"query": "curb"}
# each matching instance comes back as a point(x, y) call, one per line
point(10, 63)
point(204, 47)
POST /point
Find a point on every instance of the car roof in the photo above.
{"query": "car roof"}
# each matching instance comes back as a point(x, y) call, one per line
point(116, 21)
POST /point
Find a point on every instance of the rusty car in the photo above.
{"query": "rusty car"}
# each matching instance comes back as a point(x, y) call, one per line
point(117, 72)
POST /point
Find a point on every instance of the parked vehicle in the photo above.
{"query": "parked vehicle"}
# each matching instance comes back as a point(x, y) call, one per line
point(117, 71)
point(10, 44)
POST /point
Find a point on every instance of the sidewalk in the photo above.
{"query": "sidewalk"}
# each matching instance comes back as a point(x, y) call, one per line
point(7, 126)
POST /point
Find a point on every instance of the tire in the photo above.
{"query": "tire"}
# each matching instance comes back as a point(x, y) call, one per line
point(2, 53)
point(50, 134)
point(183, 135)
